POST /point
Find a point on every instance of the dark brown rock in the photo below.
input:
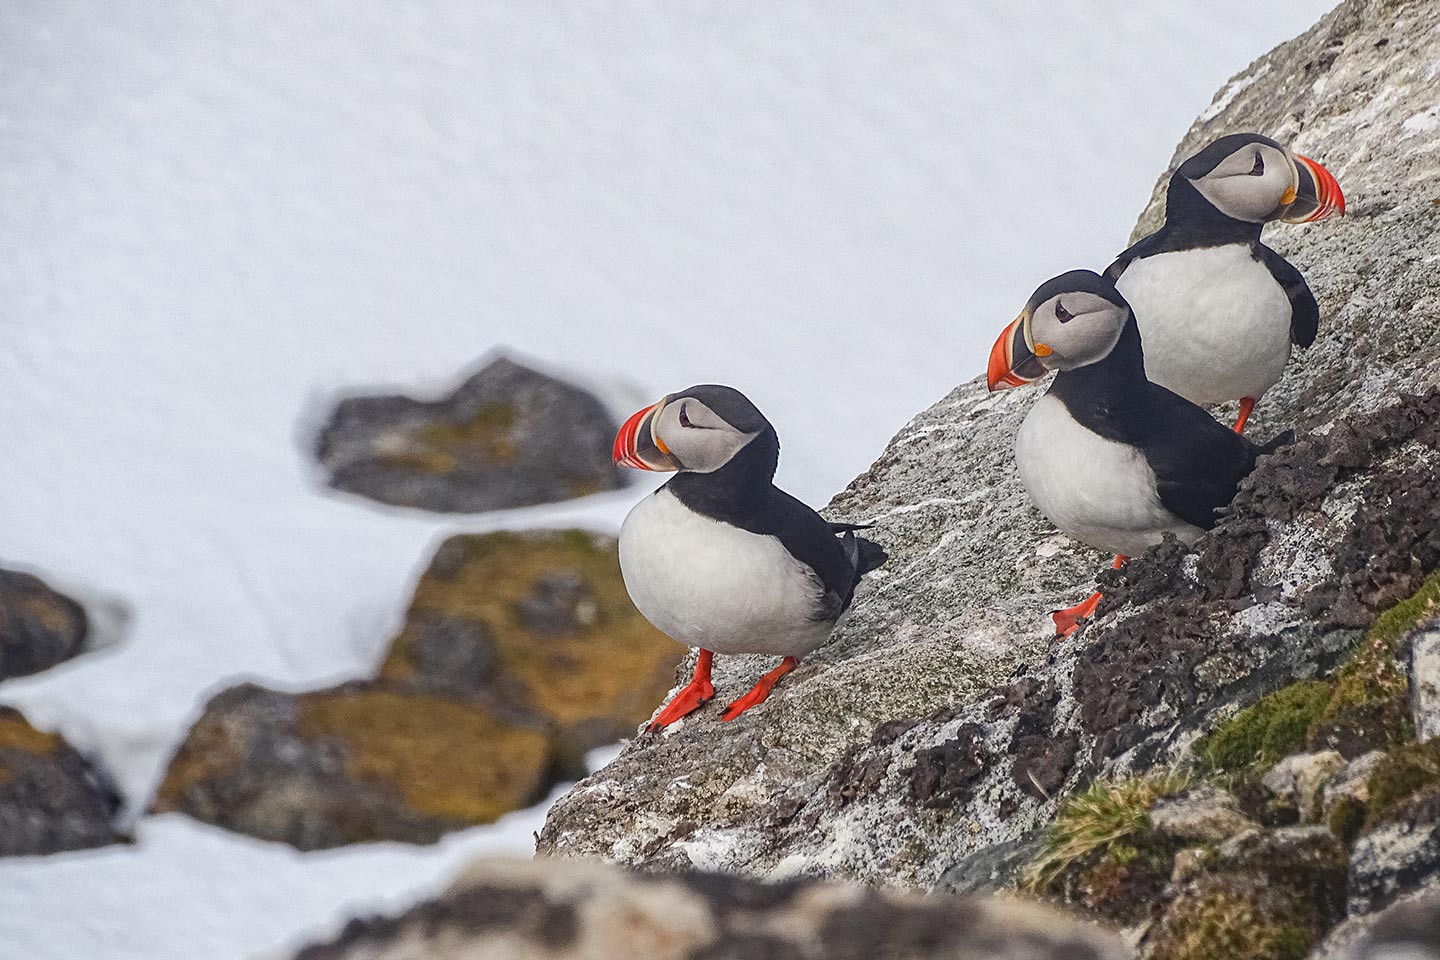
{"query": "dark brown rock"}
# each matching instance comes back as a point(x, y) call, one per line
point(39, 627)
point(509, 436)
point(51, 797)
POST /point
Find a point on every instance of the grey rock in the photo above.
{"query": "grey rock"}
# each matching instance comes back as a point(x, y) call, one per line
point(569, 910)
point(943, 679)
point(51, 797)
point(1425, 680)
point(39, 626)
point(1199, 815)
point(1397, 856)
point(1353, 782)
point(1299, 778)
point(1409, 929)
point(509, 436)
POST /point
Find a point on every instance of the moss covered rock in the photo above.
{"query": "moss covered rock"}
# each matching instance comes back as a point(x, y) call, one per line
point(39, 626)
point(355, 763)
point(51, 797)
point(539, 623)
point(509, 436)
point(1268, 731)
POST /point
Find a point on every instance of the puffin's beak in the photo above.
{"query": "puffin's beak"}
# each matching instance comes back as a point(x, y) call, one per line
point(1316, 196)
point(1012, 362)
point(636, 445)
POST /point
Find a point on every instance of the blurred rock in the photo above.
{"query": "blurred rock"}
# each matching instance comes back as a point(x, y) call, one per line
point(1425, 680)
point(509, 436)
point(1407, 930)
point(39, 627)
point(571, 910)
point(520, 652)
point(536, 622)
point(1298, 780)
point(1199, 815)
point(355, 763)
point(51, 798)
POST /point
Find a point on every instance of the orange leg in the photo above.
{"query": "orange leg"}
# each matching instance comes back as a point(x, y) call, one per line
point(760, 691)
point(1247, 404)
point(692, 697)
point(1067, 621)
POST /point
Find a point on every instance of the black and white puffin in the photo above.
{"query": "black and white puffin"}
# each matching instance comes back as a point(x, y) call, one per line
point(1219, 310)
point(1111, 458)
point(721, 559)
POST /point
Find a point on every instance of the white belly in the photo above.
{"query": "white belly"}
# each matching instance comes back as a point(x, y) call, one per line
point(1214, 323)
point(712, 585)
point(1095, 490)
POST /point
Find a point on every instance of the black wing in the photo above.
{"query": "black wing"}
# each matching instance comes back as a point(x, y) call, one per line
point(1198, 462)
point(814, 542)
point(1304, 311)
point(1147, 247)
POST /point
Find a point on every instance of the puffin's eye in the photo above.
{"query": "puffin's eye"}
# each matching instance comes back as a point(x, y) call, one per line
point(1061, 314)
point(684, 420)
point(1259, 169)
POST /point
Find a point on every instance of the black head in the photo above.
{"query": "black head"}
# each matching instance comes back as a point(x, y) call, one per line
point(1247, 180)
point(1070, 321)
point(696, 430)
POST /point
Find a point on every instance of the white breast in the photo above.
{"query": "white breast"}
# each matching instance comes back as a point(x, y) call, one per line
point(709, 584)
point(1096, 490)
point(1214, 323)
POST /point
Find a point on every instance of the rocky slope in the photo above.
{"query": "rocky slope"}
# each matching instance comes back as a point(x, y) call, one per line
point(935, 740)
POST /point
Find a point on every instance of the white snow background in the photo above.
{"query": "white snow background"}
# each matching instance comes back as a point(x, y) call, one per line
point(214, 217)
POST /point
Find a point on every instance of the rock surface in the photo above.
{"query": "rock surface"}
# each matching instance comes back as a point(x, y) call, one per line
point(551, 910)
point(940, 724)
point(520, 652)
point(39, 626)
point(51, 798)
point(1425, 681)
point(354, 764)
point(509, 436)
point(539, 623)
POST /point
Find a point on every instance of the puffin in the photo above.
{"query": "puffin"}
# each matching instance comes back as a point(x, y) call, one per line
point(1219, 311)
point(720, 558)
point(1112, 458)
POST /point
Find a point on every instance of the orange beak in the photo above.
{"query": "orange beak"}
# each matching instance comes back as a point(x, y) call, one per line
point(1012, 362)
point(1318, 195)
point(636, 445)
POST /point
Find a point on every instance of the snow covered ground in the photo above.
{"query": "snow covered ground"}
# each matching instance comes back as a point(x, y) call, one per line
point(216, 215)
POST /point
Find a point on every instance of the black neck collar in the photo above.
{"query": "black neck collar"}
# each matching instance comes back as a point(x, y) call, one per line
point(1119, 372)
point(1193, 221)
point(739, 488)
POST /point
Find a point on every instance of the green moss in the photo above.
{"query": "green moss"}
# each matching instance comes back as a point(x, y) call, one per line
point(1224, 924)
point(1268, 731)
point(453, 760)
point(1369, 700)
point(1406, 771)
point(486, 433)
point(1346, 817)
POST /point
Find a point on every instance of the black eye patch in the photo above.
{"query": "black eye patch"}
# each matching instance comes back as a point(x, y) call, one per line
point(1061, 314)
point(1259, 169)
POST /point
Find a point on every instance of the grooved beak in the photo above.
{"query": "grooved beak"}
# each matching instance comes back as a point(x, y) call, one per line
point(1317, 195)
point(1012, 362)
point(637, 447)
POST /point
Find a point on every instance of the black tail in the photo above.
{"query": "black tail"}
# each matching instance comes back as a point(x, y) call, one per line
point(1276, 442)
point(871, 556)
point(837, 527)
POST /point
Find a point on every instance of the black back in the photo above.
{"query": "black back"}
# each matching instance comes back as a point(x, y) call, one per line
point(1198, 463)
point(742, 493)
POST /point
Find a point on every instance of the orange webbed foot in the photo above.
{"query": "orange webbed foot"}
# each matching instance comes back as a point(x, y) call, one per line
point(760, 691)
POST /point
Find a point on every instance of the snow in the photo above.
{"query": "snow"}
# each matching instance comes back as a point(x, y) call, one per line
point(217, 216)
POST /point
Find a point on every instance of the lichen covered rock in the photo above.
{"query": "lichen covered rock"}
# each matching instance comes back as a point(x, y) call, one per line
point(538, 623)
point(567, 910)
point(355, 763)
point(509, 436)
point(39, 626)
point(51, 797)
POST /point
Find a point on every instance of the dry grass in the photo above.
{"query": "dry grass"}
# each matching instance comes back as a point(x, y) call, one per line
point(1108, 812)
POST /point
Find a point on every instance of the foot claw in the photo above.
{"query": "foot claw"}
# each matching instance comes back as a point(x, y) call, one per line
point(759, 692)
